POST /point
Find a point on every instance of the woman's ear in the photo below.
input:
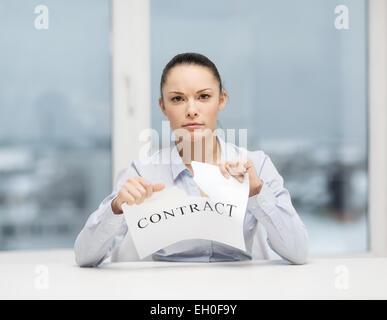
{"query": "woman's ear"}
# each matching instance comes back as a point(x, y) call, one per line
point(222, 100)
point(162, 107)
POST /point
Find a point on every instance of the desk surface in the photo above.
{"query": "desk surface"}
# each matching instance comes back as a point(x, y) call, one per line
point(53, 274)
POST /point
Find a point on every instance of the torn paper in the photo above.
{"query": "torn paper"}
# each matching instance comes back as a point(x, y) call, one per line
point(172, 215)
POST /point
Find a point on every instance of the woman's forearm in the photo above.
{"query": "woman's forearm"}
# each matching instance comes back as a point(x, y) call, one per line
point(101, 234)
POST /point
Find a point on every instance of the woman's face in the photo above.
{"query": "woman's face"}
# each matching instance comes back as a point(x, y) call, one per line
point(191, 94)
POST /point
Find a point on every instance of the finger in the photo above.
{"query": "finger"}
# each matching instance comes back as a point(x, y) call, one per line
point(233, 163)
point(134, 192)
point(158, 187)
point(228, 168)
point(231, 171)
point(240, 178)
point(241, 168)
point(140, 188)
point(126, 197)
point(235, 170)
point(147, 185)
point(247, 165)
point(240, 165)
point(202, 193)
point(223, 170)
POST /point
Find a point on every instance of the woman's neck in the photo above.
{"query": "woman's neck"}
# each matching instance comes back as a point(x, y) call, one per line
point(207, 150)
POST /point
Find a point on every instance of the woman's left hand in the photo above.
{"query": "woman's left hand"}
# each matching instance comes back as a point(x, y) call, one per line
point(237, 168)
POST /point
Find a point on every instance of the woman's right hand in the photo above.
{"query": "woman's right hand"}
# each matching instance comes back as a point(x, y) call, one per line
point(134, 191)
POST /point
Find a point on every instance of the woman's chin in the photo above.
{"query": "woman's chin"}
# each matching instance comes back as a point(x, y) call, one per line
point(200, 134)
point(197, 134)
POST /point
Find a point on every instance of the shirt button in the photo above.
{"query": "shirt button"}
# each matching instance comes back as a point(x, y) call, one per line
point(254, 207)
point(207, 252)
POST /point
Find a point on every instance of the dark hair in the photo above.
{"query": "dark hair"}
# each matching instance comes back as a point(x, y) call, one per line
point(189, 58)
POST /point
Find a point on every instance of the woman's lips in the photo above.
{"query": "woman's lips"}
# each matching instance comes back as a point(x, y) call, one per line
point(193, 126)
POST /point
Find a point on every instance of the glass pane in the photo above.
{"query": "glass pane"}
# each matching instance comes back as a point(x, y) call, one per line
point(296, 77)
point(55, 149)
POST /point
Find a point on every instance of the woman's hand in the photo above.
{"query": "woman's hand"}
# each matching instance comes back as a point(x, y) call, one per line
point(237, 168)
point(134, 191)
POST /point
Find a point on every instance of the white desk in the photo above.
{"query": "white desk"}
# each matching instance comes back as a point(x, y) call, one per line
point(53, 274)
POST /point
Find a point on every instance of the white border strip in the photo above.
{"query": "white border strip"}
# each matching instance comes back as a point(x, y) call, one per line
point(378, 126)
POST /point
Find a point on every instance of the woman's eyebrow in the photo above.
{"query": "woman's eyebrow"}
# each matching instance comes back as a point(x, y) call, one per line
point(196, 92)
point(203, 90)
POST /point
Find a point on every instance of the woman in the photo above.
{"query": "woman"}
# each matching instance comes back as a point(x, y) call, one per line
point(191, 95)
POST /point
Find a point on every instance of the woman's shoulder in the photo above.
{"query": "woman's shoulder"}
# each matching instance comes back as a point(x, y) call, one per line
point(156, 158)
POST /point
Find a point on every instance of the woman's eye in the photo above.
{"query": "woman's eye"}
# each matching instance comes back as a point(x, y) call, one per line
point(204, 96)
point(176, 99)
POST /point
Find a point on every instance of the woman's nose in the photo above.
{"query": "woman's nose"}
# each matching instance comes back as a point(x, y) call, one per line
point(191, 110)
point(191, 113)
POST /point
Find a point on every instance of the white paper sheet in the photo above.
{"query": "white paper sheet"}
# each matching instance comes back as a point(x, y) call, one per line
point(172, 215)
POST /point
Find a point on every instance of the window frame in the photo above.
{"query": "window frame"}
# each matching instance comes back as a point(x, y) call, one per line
point(377, 124)
point(130, 53)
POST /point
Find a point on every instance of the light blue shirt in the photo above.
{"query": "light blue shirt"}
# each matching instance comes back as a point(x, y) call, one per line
point(105, 234)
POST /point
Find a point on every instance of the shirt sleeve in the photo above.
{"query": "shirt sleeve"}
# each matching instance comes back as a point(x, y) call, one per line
point(103, 231)
point(272, 206)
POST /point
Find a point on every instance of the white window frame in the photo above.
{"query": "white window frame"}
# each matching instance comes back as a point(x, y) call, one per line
point(132, 105)
point(130, 52)
point(377, 33)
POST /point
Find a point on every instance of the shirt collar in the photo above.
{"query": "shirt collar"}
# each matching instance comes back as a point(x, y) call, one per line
point(177, 165)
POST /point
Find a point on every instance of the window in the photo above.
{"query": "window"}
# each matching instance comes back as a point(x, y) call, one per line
point(297, 79)
point(55, 92)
